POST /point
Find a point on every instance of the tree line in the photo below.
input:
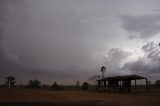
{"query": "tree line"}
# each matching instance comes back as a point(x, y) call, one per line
point(36, 84)
point(91, 83)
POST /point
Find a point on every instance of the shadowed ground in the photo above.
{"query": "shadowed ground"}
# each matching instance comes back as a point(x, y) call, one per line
point(30, 97)
point(90, 103)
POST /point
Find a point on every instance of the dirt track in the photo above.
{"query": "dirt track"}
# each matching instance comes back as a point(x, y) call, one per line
point(25, 97)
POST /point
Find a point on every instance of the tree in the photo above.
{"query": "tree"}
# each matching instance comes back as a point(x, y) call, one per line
point(93, 80)
point(85, 86)
point(34, 83)
point(55, 86)
point(10, 81)
point(103, 70)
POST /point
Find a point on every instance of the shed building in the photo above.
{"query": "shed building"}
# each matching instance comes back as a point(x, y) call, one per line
point(121, 83)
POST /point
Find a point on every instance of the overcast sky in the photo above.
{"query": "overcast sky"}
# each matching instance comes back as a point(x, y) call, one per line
point(69, 40)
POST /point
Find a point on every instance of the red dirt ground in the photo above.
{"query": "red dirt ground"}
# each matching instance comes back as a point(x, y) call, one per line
point(85, 98)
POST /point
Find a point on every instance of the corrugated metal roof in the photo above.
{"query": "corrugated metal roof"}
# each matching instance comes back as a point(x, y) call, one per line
point(126, 77)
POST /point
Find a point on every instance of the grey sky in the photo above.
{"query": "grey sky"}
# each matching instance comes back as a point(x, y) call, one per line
point(145, 26)
point(69, 40)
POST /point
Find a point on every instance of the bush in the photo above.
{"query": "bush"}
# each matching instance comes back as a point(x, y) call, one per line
point(55, 86)
point(34, 84)
point(85, 86)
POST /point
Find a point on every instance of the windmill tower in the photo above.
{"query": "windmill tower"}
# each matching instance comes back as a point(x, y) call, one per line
point(103, 70)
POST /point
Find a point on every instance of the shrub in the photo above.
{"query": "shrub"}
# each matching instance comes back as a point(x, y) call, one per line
point(85, 86)
point(55, 86)
point(34, 84)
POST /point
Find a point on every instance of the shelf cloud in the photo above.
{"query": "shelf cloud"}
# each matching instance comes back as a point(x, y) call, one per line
point(66, 41)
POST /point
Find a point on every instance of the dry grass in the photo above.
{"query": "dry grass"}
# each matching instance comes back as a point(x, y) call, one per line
point(80, 98)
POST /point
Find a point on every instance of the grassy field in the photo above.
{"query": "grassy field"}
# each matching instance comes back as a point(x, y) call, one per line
point(30, 97)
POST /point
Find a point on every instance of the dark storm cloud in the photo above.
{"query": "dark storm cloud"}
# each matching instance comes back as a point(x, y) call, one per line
point(16, 10)
point(138, 66)
point(62, 39)
point(42, 43)
point(5, 63)
point(143, 27)
point(57, 35)
point(148, 64)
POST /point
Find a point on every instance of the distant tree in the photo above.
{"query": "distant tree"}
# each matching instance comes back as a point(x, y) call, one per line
point(93, 79)
point(34, 83)
point(157, 83)
point(10, 81)
point(103, 70)
point(55, 86)
point(85, 86)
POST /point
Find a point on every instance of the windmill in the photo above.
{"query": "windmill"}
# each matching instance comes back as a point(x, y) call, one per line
point(103, 70)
